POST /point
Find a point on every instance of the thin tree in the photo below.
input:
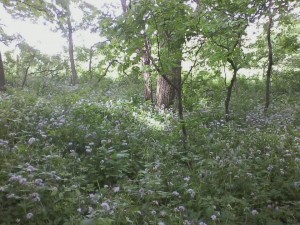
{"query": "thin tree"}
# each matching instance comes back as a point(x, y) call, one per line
point(2, 75)
point(71, 50)
point(270, 56)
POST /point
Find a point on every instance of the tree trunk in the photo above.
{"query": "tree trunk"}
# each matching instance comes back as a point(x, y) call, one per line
point(230, 88)
point(90, 62)
point(178, 90)
point(165, 92)
point(2, 75)
point(147, 87)
point(168, 86)
point(148, 93)
point(270, 63)
point(71, 52)
point(17, 71)
point(25, 76)
point(124, 5)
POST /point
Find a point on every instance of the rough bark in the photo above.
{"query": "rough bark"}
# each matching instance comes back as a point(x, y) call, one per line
point(230, 88)
point(165, 92)
point(169, 88)
point(71, 52)
point(270, 64)
point(169, 84)
point(2, 75)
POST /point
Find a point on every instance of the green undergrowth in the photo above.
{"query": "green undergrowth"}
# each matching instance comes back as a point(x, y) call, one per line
point(97, 154)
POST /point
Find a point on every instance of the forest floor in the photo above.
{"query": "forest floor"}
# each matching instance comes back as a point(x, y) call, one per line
point(98, 154)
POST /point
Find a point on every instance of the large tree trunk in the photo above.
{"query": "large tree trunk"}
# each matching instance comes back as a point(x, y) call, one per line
point(71, 52)
point(169, 84)
point(270, 63)
point(165, 92)
point(2, 75)
point(230, 87)
point(169, 88)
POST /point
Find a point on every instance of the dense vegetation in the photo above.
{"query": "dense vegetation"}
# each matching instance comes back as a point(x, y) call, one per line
point(98, 155)
point(205, 149)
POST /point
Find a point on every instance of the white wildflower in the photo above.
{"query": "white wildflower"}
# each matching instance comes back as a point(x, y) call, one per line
point(191, 192)
point(31, 140)
point(38, 182)
point(175, 193)
point(163, 213)
point(202, 223)
point(30, 168)
point(23, 181)
point(88, 149)
point(105, 206)
point(186, 222)
point(270, 168)
point(29, 215)
point(94, 198)
point(35, 197)
point(116, 189)
point(254, 212)
point(187, 179)
point(15, 177)
point(3, 188)
point(213, 217)
point(91, 210)
point(11, 195)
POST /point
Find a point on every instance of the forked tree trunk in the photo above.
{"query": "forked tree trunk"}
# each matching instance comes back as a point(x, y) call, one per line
point(71, 52)
point(230, 88)
point(2, 75)
point(270, 64)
